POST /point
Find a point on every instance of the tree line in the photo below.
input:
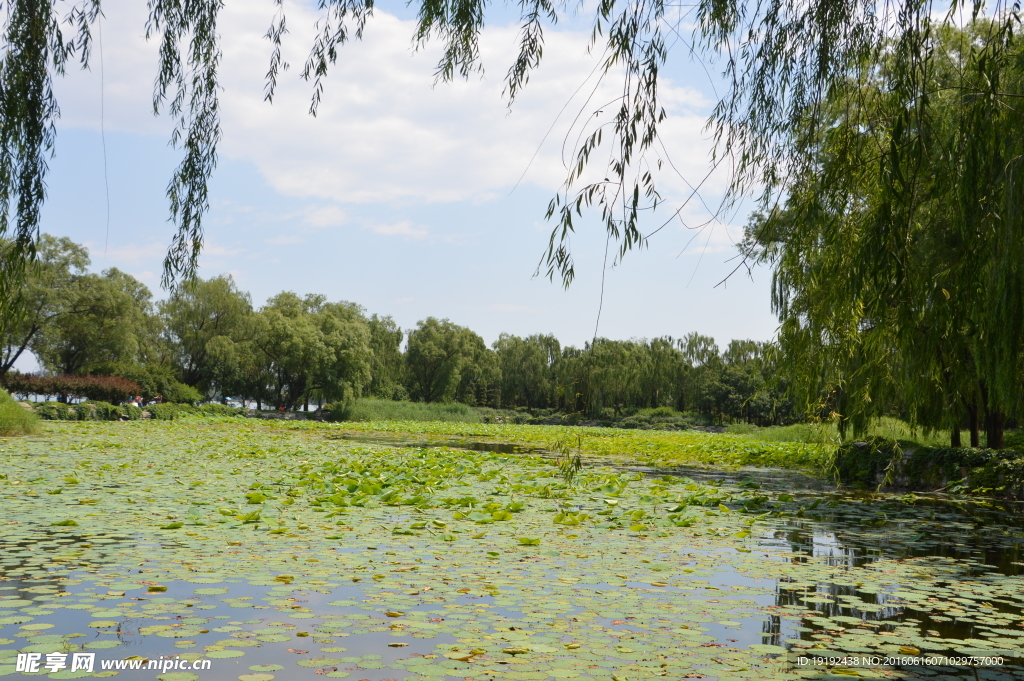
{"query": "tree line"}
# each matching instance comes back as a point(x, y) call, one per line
point(208, 341)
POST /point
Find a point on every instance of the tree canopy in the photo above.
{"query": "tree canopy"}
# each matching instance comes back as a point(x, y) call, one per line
point(208, 342)
point(897, 251)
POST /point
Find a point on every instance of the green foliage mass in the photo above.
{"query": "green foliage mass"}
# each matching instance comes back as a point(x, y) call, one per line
point(14, 418)
point(56, 411)
point(368, 409)
point(829, 433)
point(447, 361)
point(897, 245)
point(169, 411)
point(206, 342)
point(92, 410)
point(879, 462)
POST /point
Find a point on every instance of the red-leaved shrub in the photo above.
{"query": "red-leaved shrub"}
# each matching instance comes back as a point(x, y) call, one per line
point(111, 389)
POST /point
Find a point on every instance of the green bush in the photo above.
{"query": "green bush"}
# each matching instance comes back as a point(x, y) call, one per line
point(159, 380)
point(741, 428)
point(14, 418)
point(168, 411)
point(214, 409)
point(1014, 439)
point(368, 409)
point(660, 412)
point(98, 411)
point(489, 415)
point(179, 393)
point(132, 412)
point(55, 411)
point(909, 465)
point(886, 427)
point(86, 411)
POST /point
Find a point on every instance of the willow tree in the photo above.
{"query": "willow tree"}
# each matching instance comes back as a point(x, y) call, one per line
point(897, 251)
point(786, 64)
point(781, 59)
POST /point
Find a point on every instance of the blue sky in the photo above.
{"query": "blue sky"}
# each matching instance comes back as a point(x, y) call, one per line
point(400, 195)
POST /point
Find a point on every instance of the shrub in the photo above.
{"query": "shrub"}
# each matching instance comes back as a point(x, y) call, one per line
point(56, 411)
point(214, 409)
point(662, 412)
point(179, 393)
point(387, 410)
point(132, 412)
point(86, 411)
point(490, 415)
point(337, 412)
point(99, 411)
point(168, 411)
point(99, 388)
point(15, 419)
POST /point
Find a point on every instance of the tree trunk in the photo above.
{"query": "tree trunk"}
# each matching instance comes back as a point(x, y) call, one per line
point(259, 404)
point(954, 437)
point(995, 423)
point(972, 421)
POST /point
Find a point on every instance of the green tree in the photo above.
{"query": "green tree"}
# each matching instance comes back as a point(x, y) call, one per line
point(312, 347)
point(903, 287)
point(204, 320)
point(103, 322)
point(387, 372)
point(749, 397)
point(480, 376)
point(528, 369)
point(45, 295)
point(438, 354)
point(664, 374)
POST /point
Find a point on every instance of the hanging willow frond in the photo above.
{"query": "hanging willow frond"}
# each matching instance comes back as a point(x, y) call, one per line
point(897, 249)
point(33, 50)
point(784, 61)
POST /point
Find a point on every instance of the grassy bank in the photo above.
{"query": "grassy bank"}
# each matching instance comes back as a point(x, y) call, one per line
point(14, 418)
point(827, 433)
point(388, 410)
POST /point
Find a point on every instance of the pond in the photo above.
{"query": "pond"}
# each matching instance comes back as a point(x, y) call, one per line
point(265, 550)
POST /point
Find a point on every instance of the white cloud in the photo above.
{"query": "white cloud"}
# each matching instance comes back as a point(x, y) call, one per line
point(127, 254)
point(325, 216)
point(216, 249)
point(384, 133)
point(403, 228)
point(285, 240)
point(509, 308)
